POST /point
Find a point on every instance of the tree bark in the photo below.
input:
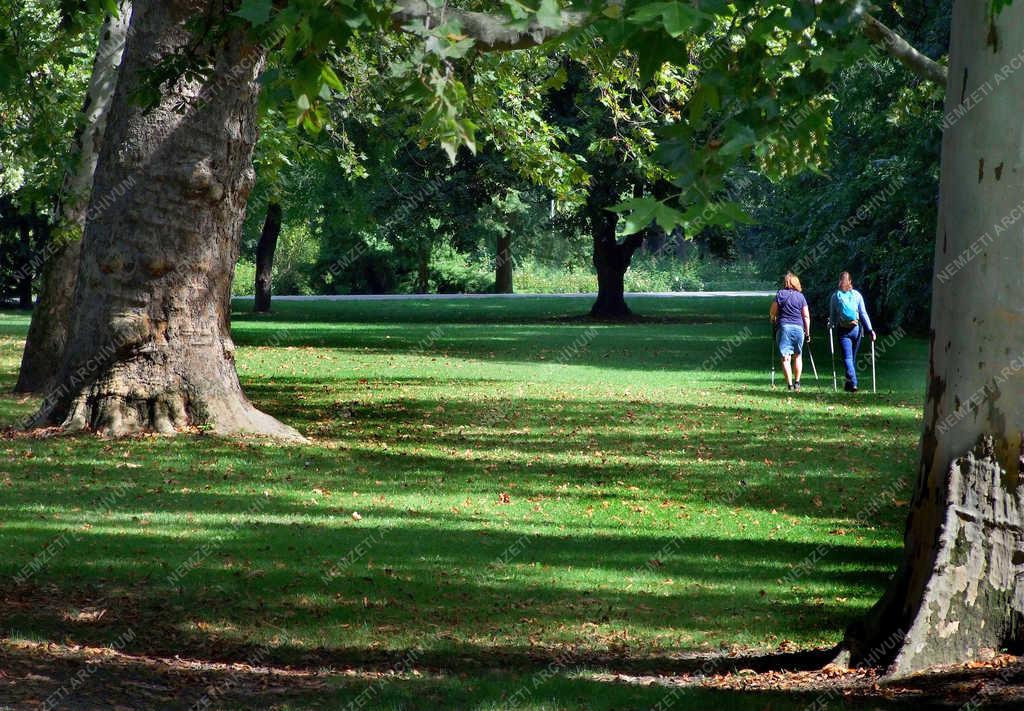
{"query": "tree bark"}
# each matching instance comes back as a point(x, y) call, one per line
point(503, 266)
point(611, 258)
point(24, 264)
point(265, 256)
point(960, 589)
point(150, 347)
point(423, 269)
point(48, 330)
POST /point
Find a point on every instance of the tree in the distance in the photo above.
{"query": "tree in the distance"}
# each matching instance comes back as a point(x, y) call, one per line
point(265, 249)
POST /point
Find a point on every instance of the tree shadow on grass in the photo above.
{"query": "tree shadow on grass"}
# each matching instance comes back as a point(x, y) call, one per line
point(821, 464)
point(698, 345)
point(80, 681)
point(354, 595)
point(85, 679)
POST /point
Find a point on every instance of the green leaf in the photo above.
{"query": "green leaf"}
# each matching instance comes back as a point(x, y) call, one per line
point(331, 79)
point(653, 50)
point(667, 218)
point(714, 214)
point(697, 105)
point(680, 18)
point(649, 12)
point(256, 12)
point(557, 80)
point(999, 5)
point(636, 213)
point(743, 139)
point(550, 14)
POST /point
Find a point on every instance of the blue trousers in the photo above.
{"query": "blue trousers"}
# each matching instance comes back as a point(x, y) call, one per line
point(849, 344)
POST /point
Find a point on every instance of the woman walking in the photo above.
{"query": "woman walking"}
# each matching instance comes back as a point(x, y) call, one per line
point(792, 320)
point(849, 315)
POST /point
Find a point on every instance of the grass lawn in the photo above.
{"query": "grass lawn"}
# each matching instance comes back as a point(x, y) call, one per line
point(501, 506)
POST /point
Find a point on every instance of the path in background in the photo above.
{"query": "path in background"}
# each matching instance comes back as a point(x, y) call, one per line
point(400, 297)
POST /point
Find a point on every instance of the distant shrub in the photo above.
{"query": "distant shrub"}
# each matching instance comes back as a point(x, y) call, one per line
point(647, 273)
point(532, 277)
point(245, 278)
point(452, 272)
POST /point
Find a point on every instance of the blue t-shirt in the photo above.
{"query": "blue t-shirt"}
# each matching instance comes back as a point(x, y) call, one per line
point(791, 307)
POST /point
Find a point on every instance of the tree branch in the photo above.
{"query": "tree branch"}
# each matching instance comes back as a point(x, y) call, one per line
point(492, 33)
point(632, 243)
point(898, 48)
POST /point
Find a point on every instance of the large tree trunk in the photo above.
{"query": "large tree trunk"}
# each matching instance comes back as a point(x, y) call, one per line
point(47, 333)
point(611, 258)
point(503, 266)
point(265, 257)
point(960, 590)
point(150, 347)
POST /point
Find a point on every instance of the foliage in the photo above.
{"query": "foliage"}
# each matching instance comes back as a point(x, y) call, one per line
point(245, 278)
point(46, 54)
point(658, 90)
point(873, 211)
point(536, 277)
point(45, 62)
point(648, 273)
point(453, 272)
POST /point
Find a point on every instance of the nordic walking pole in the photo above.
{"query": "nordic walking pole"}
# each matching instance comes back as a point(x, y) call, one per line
point(874, 388)
point(771, 350)
point(813, 367)
point(832, 348)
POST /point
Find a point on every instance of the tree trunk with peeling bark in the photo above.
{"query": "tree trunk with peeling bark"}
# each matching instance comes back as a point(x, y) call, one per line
point(48, 330)
point(265, 257)
point(959, 594)
point(150, 347)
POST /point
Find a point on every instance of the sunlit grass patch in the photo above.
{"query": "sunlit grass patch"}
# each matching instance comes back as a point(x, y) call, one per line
point(496, 480)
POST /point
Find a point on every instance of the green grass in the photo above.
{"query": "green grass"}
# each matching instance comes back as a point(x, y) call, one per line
point(530, 485)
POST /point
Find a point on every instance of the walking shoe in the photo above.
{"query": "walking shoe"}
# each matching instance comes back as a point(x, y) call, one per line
point(849, 387)
point(796, 385)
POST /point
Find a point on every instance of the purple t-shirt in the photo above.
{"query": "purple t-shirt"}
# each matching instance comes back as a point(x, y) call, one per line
point(791, 306)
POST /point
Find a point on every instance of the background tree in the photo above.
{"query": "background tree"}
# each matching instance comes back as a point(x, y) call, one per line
point(48, 330)
point(53, 57)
